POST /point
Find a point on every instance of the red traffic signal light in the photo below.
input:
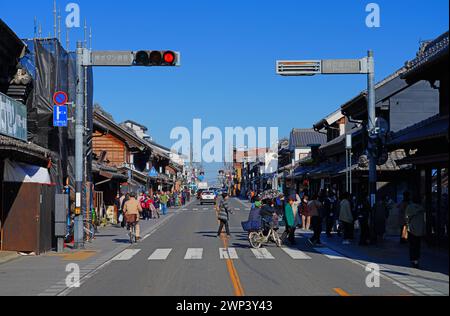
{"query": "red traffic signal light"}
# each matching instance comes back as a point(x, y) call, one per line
point(156, 58)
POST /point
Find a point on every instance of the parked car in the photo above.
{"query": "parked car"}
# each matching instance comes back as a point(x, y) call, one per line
point(208, 197)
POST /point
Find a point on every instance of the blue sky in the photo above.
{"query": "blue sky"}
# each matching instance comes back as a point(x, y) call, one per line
point(229, 49)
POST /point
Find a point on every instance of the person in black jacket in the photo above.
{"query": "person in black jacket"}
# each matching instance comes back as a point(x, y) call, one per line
point(363, 215)
point(224, 215)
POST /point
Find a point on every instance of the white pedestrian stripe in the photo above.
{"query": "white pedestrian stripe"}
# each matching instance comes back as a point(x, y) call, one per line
point(262, 254)
point(331, 254)
point(296, 254)
point(160, 254)
point(194, 254)
point(126, 255)
point(228, 253)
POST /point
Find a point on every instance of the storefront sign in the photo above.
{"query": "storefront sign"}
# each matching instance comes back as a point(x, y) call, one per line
point(13, 118)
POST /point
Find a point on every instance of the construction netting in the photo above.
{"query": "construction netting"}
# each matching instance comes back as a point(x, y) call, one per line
point(54, 69)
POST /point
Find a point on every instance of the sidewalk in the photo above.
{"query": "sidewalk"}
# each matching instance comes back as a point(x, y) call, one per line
point(46, 274)
point(394, 261)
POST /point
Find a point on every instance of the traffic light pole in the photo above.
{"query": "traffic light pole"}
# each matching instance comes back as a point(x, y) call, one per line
point(79, 141)
point(87, 58)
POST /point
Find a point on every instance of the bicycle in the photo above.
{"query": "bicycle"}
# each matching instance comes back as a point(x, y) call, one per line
point(131, 226)
point(257, 237)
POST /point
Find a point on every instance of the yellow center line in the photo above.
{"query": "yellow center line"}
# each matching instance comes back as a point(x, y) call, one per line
point(341, 292)
point(234, 276)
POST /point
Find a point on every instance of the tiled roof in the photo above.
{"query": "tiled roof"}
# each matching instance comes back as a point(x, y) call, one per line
point(436, 126)
point(428, 54)
point(306, 137)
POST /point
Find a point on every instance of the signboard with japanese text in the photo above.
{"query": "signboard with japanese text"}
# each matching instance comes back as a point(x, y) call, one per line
point(13, 118)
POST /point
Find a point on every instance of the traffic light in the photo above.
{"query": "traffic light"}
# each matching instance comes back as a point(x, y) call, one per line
point(156, 58)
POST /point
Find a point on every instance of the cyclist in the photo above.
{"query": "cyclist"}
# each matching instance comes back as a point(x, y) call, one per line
point(132, 208)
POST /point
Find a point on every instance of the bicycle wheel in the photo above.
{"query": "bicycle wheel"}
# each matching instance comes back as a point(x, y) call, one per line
point(133, 234)
point(255, 240)
point(277, 239)
point(90, 231)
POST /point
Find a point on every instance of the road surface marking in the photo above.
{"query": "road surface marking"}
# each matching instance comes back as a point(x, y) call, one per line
point(195, 209)
point(228, 253)
point(160, 254)
point(126, 255)
point(262, 254)
point(146, 236)
point(331, 254)
point(194, 254)
point(234, 276)
point(296, 254)
point(341, 292)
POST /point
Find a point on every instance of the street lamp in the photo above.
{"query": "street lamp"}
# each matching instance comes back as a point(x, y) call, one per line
point(344, 66)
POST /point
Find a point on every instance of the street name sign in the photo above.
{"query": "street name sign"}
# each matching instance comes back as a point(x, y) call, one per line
point(60, 116)
point(325, 67)
point(299, 67)
point(112, 58)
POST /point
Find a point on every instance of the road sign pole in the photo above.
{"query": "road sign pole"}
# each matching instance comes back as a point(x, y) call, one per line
point(371, 129)
point(79, 131)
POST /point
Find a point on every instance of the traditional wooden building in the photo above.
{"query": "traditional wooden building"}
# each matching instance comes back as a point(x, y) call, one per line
point(426, 142)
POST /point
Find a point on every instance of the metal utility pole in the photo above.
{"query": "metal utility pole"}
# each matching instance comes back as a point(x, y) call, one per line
point(344, 67)
point(372, 128)
point(349, 164)
point(79, 139)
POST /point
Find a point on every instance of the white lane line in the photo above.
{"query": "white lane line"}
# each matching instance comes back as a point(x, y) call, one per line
point(296, 254)
point(331, 254)
point(194, 254)
point(263, 254)
point(160, 254)
point(146, 236)
point(195, 209)
point(126, 255)
point(228, 253)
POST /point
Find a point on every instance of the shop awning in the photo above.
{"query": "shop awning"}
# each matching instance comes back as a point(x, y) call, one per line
point(16, 172)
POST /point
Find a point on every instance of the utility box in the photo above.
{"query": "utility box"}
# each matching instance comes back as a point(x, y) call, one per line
point(61, 212)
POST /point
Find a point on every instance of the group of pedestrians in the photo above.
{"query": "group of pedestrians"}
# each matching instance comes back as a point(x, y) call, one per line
point(314, 212)
point(132, 207)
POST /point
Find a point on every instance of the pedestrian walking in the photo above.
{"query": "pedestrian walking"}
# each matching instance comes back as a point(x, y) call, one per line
point(306, 217)
point(125, 198)
point(224, 215)
point(363, 215)
point(164, 199)
point(296, 209)
point(415, 218)
point(156, 207)
point(143, 200)
point(381, 214)
point(329, 211)
point(346, 217)
point(315, 208)
point(403, 225)
point(289, 233)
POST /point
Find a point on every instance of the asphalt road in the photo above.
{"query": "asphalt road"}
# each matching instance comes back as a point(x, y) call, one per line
point(185, 258)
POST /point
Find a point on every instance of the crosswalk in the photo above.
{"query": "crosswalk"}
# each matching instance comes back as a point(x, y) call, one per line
point(231, 254)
